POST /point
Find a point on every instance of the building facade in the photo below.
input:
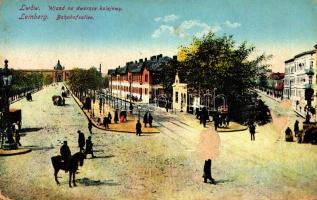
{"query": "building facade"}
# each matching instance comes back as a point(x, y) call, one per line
point(57, 74)
point(138, 80)
point(300, 74)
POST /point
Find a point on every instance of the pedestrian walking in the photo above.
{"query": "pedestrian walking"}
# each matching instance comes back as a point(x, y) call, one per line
point(138, 128)
point(116, 117)
point(131, 108)
point(109, 117)
point(89, 147)
point(150, 120)
point(296, 128)
point(289, 135)
point(216, 121)
point(81, 140)
point(252, 131)
point(17, 138)
point(145, 119)
point(90, 126)
point(106, 122)
point(204, 116)
point(166, 106)
point(207, 172)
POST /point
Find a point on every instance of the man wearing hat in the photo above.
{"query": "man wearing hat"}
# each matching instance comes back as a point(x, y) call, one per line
point(81, 140)
point(65, 154)
point(89, 145)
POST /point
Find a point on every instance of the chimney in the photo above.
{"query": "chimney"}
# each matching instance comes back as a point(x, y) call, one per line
point(153, 58)
point(175, 58)
point(140, 60)
point(159, 56)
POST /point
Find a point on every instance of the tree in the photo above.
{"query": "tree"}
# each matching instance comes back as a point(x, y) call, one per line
point(218, 62)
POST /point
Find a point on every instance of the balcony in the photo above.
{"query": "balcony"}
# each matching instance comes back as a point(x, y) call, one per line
point(309, 71)
point(307, 85)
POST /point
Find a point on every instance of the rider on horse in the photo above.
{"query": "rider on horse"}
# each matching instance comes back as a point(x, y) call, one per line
point(65, 154)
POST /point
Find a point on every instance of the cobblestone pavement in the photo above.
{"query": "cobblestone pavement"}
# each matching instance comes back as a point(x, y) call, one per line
point(167, 165)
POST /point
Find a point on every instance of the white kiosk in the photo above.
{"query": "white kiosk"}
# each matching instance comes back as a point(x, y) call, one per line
point(179, 95)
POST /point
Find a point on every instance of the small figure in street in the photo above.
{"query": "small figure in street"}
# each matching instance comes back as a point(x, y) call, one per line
point(207, 172)
point(17, 138)
point(150, 120)
point(138, 127)
point(204, 116)
point(252, 130)
point(289, 135)
point(131, 108)
point(109, 117)
point(296, 128)
point(145, 119)
point(90, 126)
point(106, 122)
point(65, 154)
point(89, 146)
point(216, 121)
point(116, 117)
point(81, 140)
point(63, 101)
point(166, 106)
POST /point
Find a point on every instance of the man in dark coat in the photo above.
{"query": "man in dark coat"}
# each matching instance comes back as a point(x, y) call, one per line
point(109, 117)
point(138, 127)
point(150, 120)
point(106, 122)
point(131, 108)
point(252, 131)
point(296, 128)
point(207, 172)
point(90, 126)
point(145, 119)
point(81, 141)
point(89, 146)
point(116, 117)
point(65, 154)
point(216, 121)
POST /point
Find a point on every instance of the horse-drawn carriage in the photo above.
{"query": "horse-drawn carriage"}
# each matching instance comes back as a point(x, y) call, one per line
point(29, 96)
point(58, 100)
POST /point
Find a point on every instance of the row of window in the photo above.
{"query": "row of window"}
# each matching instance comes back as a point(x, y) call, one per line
point(295, 92)
point(133, 89)
point(135, 78)
point(297, 67)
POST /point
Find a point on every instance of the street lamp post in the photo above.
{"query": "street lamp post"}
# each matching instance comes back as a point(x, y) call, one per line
point(215, 99)
point(6, 77)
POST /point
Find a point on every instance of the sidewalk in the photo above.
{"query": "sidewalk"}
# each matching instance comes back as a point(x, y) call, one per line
point(14, 152)
point(126, 127)
point(269, 96)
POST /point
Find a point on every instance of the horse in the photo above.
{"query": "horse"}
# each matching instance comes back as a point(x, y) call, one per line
point(77, 158)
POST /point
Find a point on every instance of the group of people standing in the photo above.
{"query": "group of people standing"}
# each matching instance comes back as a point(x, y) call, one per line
point(147, 119)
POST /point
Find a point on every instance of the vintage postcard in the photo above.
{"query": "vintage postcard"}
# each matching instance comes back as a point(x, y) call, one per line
point(158, 99)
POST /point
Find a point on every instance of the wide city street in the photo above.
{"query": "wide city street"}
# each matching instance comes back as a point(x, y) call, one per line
point(165, 165)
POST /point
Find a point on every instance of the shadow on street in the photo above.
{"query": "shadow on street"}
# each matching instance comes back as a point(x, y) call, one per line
point(89, 182)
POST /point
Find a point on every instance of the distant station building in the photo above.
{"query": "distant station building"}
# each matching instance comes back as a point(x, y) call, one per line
point(57, 74)
point(298, 71)
point(139, 80)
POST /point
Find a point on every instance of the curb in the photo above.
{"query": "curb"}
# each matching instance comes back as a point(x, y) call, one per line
point(99, 127)
point(234, 130)
point(14, 152)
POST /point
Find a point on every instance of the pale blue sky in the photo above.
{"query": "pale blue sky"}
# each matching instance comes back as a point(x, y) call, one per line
point(148, 27)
